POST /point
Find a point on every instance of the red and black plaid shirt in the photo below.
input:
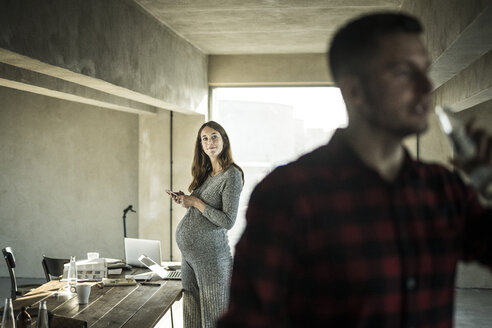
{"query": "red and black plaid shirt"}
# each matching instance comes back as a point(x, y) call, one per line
point(329, 243)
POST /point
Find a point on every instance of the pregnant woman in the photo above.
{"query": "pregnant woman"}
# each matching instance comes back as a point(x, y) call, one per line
point(202, 233)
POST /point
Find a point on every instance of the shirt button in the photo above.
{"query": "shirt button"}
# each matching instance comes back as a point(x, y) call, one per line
point(411, 283)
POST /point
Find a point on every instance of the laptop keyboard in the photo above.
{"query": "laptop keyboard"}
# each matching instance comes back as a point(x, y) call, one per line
point(174, 275)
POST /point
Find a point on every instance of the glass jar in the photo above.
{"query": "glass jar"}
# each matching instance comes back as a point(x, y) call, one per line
point(8, 320)
point(43, 320)
point(72, 275)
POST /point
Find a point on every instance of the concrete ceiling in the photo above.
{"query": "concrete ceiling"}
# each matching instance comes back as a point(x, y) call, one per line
point(221, 27)
point(63, 49)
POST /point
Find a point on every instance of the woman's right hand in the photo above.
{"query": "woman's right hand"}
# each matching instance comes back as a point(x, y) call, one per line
point(176, 196)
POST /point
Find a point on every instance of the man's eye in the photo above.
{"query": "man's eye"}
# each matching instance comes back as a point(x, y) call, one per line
point(403, 72)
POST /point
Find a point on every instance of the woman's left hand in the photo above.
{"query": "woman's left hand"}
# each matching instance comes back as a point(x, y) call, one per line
point(186, 201)
point(191, 201)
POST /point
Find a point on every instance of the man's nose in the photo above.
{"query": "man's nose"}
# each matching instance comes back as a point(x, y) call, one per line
point(424, 84)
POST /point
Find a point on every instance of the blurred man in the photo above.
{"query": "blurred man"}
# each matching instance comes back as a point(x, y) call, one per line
point(357, 233)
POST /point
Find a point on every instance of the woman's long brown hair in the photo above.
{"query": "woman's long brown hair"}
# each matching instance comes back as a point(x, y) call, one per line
point(202, 166)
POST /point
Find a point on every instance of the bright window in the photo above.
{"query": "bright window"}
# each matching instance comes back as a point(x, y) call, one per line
point(271, 126)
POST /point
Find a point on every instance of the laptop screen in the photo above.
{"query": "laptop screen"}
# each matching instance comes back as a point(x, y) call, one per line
point(149, 263)
point(135, 247)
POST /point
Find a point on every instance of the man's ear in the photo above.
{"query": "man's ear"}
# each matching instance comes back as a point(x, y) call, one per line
point(351, 89)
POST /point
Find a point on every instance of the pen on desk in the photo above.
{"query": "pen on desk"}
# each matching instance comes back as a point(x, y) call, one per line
point(150, 284)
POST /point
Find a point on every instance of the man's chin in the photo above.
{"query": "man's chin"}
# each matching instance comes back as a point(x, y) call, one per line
point(423, 128)
point(414, 130)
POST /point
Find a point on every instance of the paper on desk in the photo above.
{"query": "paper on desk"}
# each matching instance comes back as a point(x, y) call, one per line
point(141, 276)
point(91, 270)
point(115, 271)
point(119, 282)
point(110, 261)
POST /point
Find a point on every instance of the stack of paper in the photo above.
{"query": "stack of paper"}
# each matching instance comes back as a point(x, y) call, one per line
point(95, 269)
point(114, 271)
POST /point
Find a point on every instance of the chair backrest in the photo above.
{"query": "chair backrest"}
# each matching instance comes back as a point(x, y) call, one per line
point(8, 254)
point(53, 267)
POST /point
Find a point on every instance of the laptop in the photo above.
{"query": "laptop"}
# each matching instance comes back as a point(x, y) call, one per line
point(160, 271)
point(134, 247)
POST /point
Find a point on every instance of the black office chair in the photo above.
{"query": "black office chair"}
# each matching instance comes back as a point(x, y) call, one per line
point(15, 290)
point(53, 268)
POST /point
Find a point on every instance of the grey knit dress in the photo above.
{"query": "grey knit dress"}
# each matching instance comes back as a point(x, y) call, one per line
point(206, 256)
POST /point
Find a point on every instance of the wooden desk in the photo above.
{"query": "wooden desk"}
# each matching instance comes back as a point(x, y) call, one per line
point(120, 306)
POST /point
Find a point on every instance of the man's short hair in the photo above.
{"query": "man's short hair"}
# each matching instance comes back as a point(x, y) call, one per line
point(355, 43)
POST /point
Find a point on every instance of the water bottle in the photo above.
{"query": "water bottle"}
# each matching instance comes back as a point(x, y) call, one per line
point(23, 319)
point(72, 275)
point(8, 320)
point(464, 148)
point(43, 320)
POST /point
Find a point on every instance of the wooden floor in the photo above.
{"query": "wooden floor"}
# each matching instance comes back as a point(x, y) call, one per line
point(165, 322)
point(473, 306)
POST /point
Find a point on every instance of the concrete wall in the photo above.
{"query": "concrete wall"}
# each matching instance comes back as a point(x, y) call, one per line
point(295, 69)
point(66, 172)
point(471, 87)
point(59, 158)
point(96, 54)
point(155, 175)
point(109, 51)
point(444, 20)
point(458, 38)
point(185, 129)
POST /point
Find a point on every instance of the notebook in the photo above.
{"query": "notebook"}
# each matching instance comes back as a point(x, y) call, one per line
point(160, 271)
point(135, 247)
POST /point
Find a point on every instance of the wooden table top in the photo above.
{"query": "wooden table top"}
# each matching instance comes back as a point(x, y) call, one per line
point(119, 306)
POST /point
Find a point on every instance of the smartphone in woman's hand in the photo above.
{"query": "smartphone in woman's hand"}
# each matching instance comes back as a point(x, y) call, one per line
point(171, 193)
